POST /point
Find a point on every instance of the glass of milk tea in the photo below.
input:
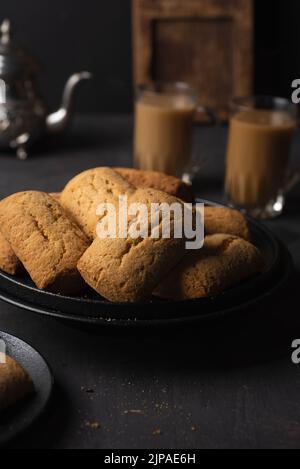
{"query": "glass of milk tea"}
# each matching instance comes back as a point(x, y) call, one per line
point(164, 121)
point(258, 152)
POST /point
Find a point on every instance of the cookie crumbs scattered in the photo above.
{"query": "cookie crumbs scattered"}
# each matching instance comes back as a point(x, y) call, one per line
point(93, 425)
point(133, 411)
point(157, 432)
point(87, 390)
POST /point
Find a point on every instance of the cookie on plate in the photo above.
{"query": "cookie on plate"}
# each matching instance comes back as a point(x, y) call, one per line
point(45, 240)
point(222, 263)
point(127, 270)
point(15, 383)
point(83, 194)
point(9, 263)
point(227, 221)
point(159, 181)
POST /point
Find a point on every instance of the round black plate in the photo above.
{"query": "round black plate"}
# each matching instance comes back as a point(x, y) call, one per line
point(91, 309)
point(18, 418)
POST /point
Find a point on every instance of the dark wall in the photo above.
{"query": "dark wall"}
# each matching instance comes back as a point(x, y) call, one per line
point(74, 35)
point(70, 35)
point(277, 45)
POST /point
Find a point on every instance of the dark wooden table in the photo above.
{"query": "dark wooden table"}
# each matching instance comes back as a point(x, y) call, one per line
point(229, 384)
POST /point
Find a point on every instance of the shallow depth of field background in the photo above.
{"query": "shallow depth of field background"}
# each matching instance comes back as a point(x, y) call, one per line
point(71, 35)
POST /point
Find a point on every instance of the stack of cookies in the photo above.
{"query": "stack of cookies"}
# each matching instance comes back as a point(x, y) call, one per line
point(54, 238)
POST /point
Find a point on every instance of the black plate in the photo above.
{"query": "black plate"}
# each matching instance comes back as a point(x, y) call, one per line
point(18, 418)
point(91, 309)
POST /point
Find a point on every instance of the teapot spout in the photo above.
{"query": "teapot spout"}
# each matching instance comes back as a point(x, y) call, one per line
point(59, 120)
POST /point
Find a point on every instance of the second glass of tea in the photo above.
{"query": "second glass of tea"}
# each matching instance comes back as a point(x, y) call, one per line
point(259, 146)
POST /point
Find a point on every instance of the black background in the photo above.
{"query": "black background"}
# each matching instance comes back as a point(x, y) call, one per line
point(70, 35)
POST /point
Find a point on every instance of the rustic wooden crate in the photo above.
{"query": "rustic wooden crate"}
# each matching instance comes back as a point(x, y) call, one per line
point(208, 43)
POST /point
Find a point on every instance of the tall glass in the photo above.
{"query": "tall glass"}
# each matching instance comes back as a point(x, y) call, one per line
point(259, 146)
point(164, 119)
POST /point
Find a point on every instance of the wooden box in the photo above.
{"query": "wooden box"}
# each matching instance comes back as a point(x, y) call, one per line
point(207, 43)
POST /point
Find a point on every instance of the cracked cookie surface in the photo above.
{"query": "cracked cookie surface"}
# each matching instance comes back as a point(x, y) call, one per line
point(227, 221)
point(223, 262)
point(127, 270)
point(159, 181)
point(9, 263)
point(83, 194)
point(45, 240)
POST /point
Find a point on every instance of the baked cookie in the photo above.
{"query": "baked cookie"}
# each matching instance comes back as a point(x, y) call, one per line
point(83, 194)
point(45, 240)
point(223, 262)
point(127, 270)
point(15, 383)
point(227, 221)
point(159, 181)
point(9, 263)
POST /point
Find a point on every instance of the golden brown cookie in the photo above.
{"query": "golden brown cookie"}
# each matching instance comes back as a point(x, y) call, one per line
point(223, 262)
point(45, 240)
point(127, 270)
point(9, 263)
point(159, 181)
point(227, 221)
point(15, 383)
point(85, 192)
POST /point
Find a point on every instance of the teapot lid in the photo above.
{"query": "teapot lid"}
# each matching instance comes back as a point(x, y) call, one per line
point(14, 61)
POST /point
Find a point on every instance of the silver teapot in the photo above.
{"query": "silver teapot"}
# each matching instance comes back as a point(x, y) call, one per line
point(24, 116)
